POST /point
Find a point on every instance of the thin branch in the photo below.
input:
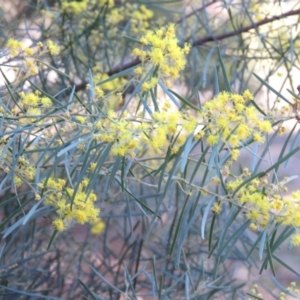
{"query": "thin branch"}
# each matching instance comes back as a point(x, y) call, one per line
point(195, 11)
point(223, 36)
point(202, 41)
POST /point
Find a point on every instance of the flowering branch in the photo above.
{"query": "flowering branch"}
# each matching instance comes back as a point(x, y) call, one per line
point(223, 36)
point(201, 41)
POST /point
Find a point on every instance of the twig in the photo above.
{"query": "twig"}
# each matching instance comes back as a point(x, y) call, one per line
point(223, 36)
point(194, 11)
point(201, 41)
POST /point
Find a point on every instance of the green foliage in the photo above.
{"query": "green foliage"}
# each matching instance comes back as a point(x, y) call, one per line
point(119, 178)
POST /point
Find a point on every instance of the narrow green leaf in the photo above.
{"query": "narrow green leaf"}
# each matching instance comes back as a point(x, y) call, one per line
point(230, 218)
point(283, 159)
point(178, 226)
point(272, 89)
point(32, 210)
point(52, 68)
point(120, 74)
point(262, 244)
point(154, 264)
point(19, 210)
point(211, 231)
point(270, 258)
point(199, 162)
point(204, 72)
point(113, 172)
point(227, 84)
point(258, 108)
point(131, 39)
point(137, 200)
point(293, 94)
point(52, 239)
point(106, 281)
point(293, 144)
point(285, 234)
point(28, 294)
point(205, 216)
point(283, 149)
point(231, 242)
point(187, 149)
point(88, 290)
point(254, 296)
point(266, 150)
point(216, 82)
point(286, 265)
point(185, 101)
point(170, 93)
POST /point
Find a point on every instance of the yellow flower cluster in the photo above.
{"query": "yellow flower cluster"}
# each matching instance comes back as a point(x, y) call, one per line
point(259, 12)
point(171, 129)
point(292, 289)
point(108, 93)
point(34, 99)
point(23, 171)
point(227, 118)
point(86, 12)
point(128, 135)
point(259, 198)
point(30, 107)
point(138, 15)
point(139, 19)
point(264, 202)
point(255, 293)
point(71, 205)
point(112, 85)
point(290, 215)
point(230, 117)
point(108, 3)
point(121, 133)
point(30, 62)
point(161, 50)
point(53, 47)
point(14, 46)
point(74, 7)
